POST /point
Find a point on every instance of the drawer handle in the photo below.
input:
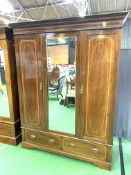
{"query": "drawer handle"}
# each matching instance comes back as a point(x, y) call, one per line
point(32, 136)
point(94, 150)
point(51, 141)
point(72, 145)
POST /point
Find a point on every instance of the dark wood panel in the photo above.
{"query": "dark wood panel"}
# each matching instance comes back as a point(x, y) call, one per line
point(101, 59)
point(29, 63)
point(43, 139)
point(10, 133)
point(103, 21)
point(80, 147)
point(10, 140)
point(6, 129)
point(101, 52)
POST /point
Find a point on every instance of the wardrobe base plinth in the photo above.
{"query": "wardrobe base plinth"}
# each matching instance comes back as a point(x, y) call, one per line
point(10, 140)
point(98, 163)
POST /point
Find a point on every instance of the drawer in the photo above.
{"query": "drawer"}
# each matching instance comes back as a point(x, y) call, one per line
point(83, 148)
point(42, 139)
point(6, 129)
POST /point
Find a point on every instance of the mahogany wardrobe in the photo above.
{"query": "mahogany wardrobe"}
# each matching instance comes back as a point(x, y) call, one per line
point(10, 131)
point(69, 111)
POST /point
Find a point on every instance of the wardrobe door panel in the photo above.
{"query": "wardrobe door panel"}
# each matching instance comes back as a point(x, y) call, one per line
point(101, 74)
point(29, 62)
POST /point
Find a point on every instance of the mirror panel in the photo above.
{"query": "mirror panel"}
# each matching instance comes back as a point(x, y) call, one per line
point(4, 102)
point(61, 68)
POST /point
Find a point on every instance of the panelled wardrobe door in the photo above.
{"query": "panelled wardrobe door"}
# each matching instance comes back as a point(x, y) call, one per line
point(101, 68)
point(10, 131)
point(30, 79)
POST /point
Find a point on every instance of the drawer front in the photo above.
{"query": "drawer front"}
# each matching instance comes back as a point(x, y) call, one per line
point(42, 139)
point(82, 148)
point(6, 129)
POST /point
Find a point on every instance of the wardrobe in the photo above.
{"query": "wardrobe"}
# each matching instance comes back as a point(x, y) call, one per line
point(10, 132)
point(90, 46)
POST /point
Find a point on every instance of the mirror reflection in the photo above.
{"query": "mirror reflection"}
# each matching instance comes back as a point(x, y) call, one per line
point(61, 65)
point(4, 104)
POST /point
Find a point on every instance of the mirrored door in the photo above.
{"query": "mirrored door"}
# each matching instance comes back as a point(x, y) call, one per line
point(61, 70)
point(4, 102)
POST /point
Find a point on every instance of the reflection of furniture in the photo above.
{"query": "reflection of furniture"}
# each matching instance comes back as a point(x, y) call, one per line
point(97, 57)
point(70, 90)
point(70, 98)
point(53, 76)
point(1, 88)
point(57, 89)
point(9, 121)
point(2, 73)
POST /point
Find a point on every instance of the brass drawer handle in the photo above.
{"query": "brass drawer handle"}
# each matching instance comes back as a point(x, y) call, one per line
point(51, 141)
point(94, 150)
point(32, 136)
point(72, 145)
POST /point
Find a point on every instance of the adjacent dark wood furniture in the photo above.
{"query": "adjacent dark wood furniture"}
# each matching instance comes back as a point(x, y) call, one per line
point(97, 59)
point(10, 131)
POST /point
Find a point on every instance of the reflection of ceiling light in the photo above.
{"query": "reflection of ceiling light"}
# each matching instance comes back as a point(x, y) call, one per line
point(5, 21)
point(69, 1)
point(104, 24)
point(101, 36)
point(61, 40)
point(6, 6)
point(82, 14)
point(50, 35)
